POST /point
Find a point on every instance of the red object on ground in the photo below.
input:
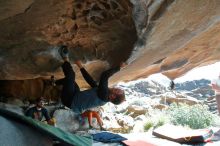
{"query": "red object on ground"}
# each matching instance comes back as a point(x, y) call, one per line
point(137, 143)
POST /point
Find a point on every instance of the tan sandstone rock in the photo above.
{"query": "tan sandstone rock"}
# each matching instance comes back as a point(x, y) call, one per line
point(171, 37)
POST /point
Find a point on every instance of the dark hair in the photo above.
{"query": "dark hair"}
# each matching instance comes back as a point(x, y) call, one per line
point(119, 98)
point(39, 100)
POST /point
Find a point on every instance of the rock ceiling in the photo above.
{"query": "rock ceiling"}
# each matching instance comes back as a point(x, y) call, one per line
point(167, 36)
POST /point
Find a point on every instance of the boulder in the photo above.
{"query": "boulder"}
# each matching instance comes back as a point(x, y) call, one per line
point(67, 120)
point(170, 100)
point(15, 101)
point(135, 111)
point(160, 106)
point(13, 108)
point(125, 120)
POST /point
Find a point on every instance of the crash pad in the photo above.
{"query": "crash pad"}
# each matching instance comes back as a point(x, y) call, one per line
point(52, 131)
point(183, 135)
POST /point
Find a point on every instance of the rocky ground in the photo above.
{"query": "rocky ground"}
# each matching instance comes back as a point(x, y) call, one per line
point(128, 118)
point(115, 122)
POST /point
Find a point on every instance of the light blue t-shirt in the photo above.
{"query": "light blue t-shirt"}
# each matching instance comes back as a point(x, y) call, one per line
point(87, 99)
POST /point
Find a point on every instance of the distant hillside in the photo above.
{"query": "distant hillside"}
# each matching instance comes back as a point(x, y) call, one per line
point(144, 88)
point(199, 89)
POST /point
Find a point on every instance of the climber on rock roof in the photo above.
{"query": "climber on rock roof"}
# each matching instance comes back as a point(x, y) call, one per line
point(97, 95)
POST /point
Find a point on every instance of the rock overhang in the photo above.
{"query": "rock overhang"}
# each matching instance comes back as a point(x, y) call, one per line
point(170, 37)
point(92, 30)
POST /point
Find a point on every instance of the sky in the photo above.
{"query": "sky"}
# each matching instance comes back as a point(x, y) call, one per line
point(206, 72)
point(209, 72)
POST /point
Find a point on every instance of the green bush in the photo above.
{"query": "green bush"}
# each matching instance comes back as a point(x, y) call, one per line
point(157, 119)
point(196, 116)
point(148, 125)
point(159, 123)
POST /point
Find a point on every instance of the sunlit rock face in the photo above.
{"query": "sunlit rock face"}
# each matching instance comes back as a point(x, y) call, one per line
point(180, 35)
point(165, 36)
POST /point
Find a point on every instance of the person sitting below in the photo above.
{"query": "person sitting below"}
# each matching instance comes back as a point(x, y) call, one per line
point(97, 95)
point(38, 112)
point(89, 114)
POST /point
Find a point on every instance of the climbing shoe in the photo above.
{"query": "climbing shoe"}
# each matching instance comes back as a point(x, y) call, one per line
point(63, 50)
